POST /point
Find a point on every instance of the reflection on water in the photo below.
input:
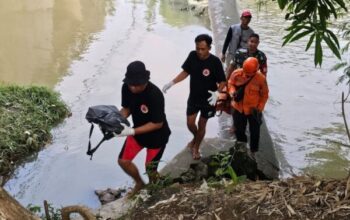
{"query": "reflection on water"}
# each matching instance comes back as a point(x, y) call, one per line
point(329, 157)
point(304, 106)
point(39, 39)
point(175, 14)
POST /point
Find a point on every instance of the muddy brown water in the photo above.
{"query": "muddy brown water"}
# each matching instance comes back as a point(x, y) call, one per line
point(82, 47)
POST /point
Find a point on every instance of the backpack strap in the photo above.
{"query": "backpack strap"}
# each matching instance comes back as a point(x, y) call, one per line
point(90, 151)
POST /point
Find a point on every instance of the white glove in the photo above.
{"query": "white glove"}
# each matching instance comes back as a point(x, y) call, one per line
point(127, 131)
point(167, 86)
point(213, 98)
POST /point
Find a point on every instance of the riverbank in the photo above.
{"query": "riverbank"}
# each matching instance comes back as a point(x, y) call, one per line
point(27, 114)
point(292, 198)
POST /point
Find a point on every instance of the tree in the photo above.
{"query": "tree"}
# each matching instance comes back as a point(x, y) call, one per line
point(312, 18)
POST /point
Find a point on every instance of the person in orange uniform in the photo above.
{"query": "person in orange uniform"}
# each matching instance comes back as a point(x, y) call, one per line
point(249, 91)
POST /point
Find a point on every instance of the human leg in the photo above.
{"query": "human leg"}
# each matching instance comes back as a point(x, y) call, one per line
point(240, 124)
point(191, 113)
point(130, 149)
point(202, 123)
point(152, 161)
point(254, 129)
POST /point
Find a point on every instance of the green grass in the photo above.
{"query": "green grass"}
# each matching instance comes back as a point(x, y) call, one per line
point(27, 114)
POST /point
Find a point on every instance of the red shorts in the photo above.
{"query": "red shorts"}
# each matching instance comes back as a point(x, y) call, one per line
point(131, 148)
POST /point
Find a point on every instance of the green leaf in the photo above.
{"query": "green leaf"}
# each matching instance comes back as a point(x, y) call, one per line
point(323, 15)
point(331, 8)
point(282, 3)
point(335, 39)
point(232, 174)
point(339, 66)
point(291, 34)
point(219, 172)
point(342, 4)
point(332, 46)
point(312, 37)
point(301, 5)
point(318, 50)
point(301, 35)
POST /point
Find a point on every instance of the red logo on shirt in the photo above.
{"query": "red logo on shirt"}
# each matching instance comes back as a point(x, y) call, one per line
point(206, 72)
point(144, 109)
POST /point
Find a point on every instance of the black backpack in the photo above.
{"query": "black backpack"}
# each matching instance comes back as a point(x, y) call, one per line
point(109, 119)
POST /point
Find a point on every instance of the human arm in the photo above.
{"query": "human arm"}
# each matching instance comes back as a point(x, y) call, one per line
point(221, 86)
point(181, 76)
point(263, 66)
point(226, 44)
point(231, 82)
point(264, 95)
point(125, 112)
point(148, 127)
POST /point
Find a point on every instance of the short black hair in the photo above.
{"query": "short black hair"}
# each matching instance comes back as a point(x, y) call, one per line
point(204, 37)
point(254, 35)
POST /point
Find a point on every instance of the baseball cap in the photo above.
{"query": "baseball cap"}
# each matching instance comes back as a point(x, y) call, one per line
point(136, 74)
point(246, 13)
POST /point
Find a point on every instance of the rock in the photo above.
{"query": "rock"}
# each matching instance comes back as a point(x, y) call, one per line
point(109, 195)
point(115, 209)
point(183, 161)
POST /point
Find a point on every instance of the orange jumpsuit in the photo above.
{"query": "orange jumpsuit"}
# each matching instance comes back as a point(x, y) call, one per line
point(256, 91)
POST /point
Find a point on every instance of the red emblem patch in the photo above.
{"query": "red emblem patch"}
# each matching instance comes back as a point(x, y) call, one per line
point(144, 109)
point(206, 72)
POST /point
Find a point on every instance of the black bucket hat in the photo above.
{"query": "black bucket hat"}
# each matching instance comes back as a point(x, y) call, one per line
point(136, 74)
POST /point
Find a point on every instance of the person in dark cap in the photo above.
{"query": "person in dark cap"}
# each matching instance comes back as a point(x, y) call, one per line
point(236, 39)
point(145, 103)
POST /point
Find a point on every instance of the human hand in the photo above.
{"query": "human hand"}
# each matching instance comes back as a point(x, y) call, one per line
point(127, 131)
point(257, 115)
point(167, 86)
point(213, 97)
point(223, 58)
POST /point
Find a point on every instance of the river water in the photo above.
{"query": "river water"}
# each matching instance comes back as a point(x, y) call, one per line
point(82, 48)
point(156, 32)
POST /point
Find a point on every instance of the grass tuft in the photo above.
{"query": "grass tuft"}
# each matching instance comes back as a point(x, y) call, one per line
point(27, 114)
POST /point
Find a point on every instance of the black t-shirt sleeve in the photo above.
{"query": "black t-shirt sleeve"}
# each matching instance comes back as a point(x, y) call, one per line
point(227, 40)
point(125, 95)
point(263, 59)
point(186, 66)
point(157, 107)
point(220, 72)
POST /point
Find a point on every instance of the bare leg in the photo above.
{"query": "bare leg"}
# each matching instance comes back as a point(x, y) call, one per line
point(191, 125)
point(202, 123)
point(131, 169)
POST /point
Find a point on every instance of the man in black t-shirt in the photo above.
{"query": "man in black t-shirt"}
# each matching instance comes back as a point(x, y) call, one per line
point(145, 103)
point(206, 72)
